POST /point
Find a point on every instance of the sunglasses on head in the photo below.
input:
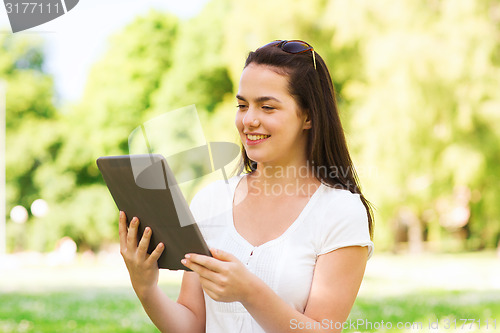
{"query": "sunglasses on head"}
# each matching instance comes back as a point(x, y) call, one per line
point(292, 46)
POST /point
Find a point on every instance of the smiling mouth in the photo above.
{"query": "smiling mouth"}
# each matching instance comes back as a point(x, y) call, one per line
point(257, 137)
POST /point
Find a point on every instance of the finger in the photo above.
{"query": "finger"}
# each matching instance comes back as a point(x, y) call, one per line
point(201, 270)
point(122, 231)
point(212, 295)
point(206, 261)
point(155, 255)
point(210, 287)
point(132, 234)
point(142, 249)
point(222, 255)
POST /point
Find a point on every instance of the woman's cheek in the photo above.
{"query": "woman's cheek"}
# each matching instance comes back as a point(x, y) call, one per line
point(238, 122)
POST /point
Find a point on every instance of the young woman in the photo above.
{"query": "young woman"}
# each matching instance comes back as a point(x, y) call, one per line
point(290, 236)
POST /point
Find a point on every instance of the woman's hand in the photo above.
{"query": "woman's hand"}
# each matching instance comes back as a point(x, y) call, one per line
point(223, 277)
point(142, 267)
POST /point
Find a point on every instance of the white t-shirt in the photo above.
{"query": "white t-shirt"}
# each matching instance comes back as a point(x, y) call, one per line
point(332, 219)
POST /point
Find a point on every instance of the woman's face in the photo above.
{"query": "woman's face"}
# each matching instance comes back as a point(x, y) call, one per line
point(272, 127)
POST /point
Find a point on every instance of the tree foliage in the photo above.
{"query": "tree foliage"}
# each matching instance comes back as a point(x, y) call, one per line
point(30, 119)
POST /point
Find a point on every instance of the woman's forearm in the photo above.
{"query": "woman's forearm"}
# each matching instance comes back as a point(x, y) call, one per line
point(168, 315)
point(277, 316)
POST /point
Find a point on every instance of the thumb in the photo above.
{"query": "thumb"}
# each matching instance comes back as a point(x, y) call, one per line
point(221, 255)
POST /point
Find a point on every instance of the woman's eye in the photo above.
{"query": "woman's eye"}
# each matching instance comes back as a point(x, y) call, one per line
point(241, 106)
point(267, 107)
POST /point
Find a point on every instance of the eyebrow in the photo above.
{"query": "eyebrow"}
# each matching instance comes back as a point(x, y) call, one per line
point(260, 99)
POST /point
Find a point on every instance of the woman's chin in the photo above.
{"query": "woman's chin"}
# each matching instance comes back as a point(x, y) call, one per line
point(257, 158)
point(263, 160)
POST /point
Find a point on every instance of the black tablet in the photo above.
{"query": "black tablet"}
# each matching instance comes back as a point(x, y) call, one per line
point(144, 186)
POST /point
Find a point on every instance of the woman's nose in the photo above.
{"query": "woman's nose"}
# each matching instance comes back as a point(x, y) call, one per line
point(250, 119)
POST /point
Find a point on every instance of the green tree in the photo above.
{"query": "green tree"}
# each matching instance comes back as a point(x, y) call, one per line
point(30, 121)
point(199, 74)
point(425, 109)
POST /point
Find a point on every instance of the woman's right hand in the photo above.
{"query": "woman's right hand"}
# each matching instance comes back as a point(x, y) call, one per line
point(142, 267)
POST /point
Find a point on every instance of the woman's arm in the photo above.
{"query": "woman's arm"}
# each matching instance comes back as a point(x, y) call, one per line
point(185, 315)
point(337, 278)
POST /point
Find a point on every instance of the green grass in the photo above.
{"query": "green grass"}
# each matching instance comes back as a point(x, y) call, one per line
point(396, 289)
point(73, 311)
point(446, 307)
point(80, 310)
point(118, 310)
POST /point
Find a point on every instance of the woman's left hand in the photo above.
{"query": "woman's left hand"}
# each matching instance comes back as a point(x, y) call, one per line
point(223, 277)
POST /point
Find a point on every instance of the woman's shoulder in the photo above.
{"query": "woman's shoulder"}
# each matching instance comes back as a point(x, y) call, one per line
point(341, 205)
point(216, 190)
point(341, 198)
point(343, 221)
point(212, 200)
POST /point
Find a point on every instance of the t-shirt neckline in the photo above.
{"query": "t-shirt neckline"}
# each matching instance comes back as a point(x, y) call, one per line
point(289, 230)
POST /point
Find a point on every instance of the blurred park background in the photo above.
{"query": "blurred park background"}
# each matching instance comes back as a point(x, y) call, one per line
point(418, 86)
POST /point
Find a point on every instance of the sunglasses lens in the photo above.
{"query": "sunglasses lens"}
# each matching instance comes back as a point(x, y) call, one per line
point(273, 43)
point(296, 47)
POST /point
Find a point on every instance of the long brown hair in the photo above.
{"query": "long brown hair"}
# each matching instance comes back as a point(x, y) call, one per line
point(313, 91)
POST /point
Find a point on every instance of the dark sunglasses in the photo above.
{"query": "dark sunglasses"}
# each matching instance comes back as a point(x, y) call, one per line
point(292, 46)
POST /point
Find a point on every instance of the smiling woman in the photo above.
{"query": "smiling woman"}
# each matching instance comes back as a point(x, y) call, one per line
point(291, 233)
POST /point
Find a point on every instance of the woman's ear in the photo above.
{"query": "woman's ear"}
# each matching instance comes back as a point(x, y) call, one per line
point(307, 124)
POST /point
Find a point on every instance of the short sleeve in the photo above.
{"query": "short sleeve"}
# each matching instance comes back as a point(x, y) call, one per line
point(345, 224)
point(209, 206)
point(200, 208)
point(210, 202)
point(196, 206)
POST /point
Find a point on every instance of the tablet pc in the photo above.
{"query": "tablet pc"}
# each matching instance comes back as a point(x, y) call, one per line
point(144, 186)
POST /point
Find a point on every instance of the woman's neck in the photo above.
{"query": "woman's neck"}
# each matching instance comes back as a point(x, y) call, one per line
point(277, 179)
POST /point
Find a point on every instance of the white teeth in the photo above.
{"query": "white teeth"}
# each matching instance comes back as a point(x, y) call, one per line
point(257, 137)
